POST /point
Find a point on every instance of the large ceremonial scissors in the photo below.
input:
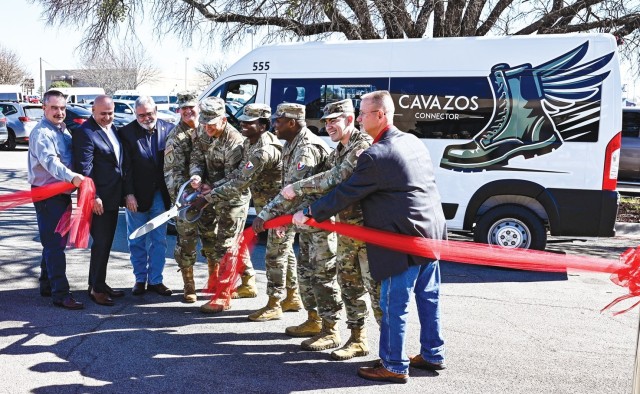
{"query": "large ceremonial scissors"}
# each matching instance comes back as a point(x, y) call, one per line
point(179, 209)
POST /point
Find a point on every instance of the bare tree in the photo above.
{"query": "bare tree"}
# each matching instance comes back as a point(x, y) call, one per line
point(12, 72)
point(354, 19)
point(211, 71)
point(125, 67)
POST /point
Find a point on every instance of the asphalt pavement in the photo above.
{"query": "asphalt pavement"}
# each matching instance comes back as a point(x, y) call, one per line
point(506, 331)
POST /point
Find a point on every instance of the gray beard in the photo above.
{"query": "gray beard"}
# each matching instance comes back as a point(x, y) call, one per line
point(147, 127)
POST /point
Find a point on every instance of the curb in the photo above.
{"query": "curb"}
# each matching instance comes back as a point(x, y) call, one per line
point(627, 228)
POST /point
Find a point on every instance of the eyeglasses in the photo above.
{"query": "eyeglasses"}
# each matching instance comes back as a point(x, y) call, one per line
point(362, 113)
point(147, 115)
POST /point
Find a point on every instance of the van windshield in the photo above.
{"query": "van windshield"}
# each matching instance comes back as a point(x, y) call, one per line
point(86, 98)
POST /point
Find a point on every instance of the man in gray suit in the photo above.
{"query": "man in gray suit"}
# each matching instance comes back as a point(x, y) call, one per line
point(394, 182)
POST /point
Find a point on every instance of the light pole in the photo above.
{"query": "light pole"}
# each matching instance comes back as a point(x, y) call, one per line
point(252, 31)
point(186, 59)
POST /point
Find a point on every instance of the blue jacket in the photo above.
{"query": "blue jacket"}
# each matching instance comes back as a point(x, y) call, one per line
point(394, 182)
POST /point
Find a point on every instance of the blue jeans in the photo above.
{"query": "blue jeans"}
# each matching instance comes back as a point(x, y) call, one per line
point(395, 291)
point(53, 265)
point(148, 251)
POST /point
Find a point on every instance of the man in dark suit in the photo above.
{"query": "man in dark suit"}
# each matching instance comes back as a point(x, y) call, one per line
point(146, 194)
point(98, 154)
point(394, 182)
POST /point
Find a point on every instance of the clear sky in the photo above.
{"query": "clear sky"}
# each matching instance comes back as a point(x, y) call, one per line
point(23, 30)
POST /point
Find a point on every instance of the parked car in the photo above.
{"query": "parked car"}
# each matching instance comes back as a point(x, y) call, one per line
point(3, 129)
point(126, 110)
point(630, 151)
point(21, 119)
point(76, 115)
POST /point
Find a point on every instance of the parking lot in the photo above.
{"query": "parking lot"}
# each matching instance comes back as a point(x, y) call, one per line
point(507, 331)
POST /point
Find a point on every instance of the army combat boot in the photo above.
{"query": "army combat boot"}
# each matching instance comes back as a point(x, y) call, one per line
point(328, 338)
point(247, 289)
point(189, 294)
point(292, 303)
point(519, 126)
point(312, 326)
point(272, 311)
point(356, 346)
point(214, 306)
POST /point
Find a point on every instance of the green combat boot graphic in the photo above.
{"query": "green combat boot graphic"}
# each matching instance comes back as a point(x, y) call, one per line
point(519, 125)
point(534, 108)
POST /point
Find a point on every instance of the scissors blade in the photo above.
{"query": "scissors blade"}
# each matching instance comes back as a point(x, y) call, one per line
point(154, 223)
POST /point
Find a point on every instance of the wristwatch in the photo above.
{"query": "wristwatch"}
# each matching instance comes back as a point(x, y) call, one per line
point(307, 212)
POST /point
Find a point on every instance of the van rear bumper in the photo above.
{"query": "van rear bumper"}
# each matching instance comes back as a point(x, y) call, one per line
point(587, 213)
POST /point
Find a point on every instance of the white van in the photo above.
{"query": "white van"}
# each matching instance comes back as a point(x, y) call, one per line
point(11, 93)
point(523, 132)
point(81, 95)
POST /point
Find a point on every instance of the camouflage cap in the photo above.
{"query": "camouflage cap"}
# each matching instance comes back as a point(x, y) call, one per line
point(211, 109)
point(254, 112)
point(290, 110)
point(187, 99)
point(333, 110)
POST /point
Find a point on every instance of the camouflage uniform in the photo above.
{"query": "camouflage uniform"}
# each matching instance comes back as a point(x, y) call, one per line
point(177, 156)
point(305, 156)
point(354, 276)
point(213, 159)
point(261, 171)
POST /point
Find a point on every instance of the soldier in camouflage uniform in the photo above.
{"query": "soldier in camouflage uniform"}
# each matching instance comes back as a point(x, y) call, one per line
point(217, 152)
point(354, 276)
point(260, 170)
point(304, 155)
point(177, 156)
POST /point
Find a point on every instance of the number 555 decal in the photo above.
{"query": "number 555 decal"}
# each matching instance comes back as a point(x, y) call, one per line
point(260, 66)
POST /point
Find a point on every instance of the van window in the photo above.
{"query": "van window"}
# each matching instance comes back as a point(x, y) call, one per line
point(160, 99)
point(236, 94)
point(316, 93)
point(9, 97)
point(631, 124)
point(34, 112)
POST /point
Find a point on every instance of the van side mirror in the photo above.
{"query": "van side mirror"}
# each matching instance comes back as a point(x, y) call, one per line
point(128, 111)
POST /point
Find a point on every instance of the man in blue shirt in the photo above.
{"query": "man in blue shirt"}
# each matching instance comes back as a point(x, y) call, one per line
point(50, 161)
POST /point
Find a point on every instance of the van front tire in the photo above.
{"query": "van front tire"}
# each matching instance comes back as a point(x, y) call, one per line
point(511, 226)
point(10, 144)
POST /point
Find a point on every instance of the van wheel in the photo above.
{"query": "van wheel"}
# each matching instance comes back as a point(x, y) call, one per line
point(511, 226)
point(10, 144)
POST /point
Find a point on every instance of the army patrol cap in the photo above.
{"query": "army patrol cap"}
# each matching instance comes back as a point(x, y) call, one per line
point(333, 110)
point(290, 110)
point(253, 112)
point(211, 109)
point(187, 99)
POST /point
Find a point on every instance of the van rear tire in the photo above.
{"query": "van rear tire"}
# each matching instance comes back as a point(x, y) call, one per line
point(511, 226)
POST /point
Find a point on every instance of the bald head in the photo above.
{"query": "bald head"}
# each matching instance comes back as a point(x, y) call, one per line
point(103, 110)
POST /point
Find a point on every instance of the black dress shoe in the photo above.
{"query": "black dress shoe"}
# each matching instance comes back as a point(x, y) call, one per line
point(138, 288)
point(69, 303)
point(101, 298)
point(160, 289)
point(113, 293)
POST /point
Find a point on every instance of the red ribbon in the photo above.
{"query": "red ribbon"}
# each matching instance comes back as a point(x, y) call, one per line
point(76, 222)
point(625, 272)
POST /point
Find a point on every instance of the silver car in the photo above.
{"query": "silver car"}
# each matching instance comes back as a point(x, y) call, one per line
point(21, 119)
point(630, 152)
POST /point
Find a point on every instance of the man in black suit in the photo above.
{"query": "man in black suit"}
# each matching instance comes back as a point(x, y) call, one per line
point(98, 154)
point(146, 194)
point(394, 182)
